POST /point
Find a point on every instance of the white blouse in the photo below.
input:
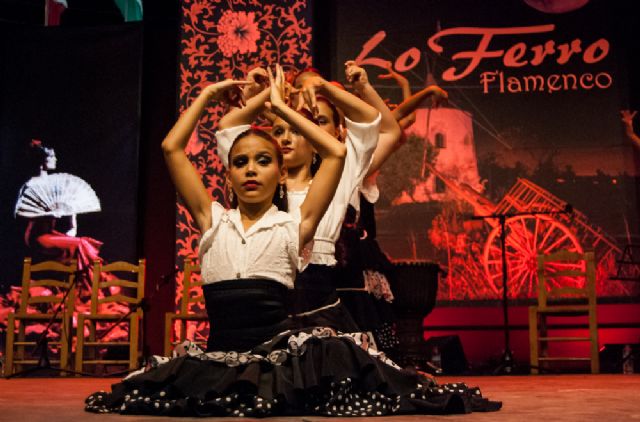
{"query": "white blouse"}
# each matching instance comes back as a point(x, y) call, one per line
point(361, 142)
point(267, 250)
point(368, 189)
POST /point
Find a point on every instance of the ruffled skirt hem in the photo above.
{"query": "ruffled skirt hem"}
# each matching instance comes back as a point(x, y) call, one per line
point(324, 375)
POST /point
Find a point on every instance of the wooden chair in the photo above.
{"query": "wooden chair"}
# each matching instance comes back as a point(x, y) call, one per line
point(560, 296)
point(130, 295)
point(192, 308)
point(43, 288)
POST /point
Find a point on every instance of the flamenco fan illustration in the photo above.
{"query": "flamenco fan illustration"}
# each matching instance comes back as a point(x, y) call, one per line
point(56, 195)
point(50, 203)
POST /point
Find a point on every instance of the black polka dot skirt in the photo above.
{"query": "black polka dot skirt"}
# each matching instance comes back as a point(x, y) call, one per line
point(303, 372)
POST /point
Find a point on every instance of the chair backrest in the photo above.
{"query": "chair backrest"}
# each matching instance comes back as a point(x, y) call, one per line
point(191, 287)
point(46, 283)
point(131, 289)
point(566, 274)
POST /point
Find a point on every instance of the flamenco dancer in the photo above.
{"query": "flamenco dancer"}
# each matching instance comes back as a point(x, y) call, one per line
point(315, 299)
point(254, 366)
point(50, 202)
point(364, 270)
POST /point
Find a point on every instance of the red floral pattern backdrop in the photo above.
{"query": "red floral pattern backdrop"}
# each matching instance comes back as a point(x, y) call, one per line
point(225, 39)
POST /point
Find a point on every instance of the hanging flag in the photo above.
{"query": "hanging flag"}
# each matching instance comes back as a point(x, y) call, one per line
point(53, 11)
point(130, 9)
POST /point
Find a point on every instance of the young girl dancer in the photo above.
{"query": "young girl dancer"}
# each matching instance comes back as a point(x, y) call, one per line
point(316, 301)
point(364, 270)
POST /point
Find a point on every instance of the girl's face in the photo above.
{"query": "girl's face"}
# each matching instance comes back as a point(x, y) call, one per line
point(254, 171)
point(326, 120)
point(51, 161)
point(296, 150)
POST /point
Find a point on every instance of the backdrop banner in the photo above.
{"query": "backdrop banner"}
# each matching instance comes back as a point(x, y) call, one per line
point(533, 124)
point(226, 40)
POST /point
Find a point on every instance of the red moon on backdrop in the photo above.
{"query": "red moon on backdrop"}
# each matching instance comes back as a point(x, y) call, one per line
point(556, 6)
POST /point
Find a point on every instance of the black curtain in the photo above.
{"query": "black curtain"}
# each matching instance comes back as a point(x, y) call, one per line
point(79, 91)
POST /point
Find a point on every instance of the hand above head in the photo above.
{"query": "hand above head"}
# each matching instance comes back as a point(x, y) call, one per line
point(627, 116)
point(291, 94)
point(229, 91)
point(391, 105)
point(258, 81)
point(185, 177)
point(355, 75)
point(308, 91)
point(277, 89)
point(399, 78)
point(438, 95)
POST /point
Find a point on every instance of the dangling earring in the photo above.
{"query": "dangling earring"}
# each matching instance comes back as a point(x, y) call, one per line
point(281, 192)
point(315, 159)
point(230, 196)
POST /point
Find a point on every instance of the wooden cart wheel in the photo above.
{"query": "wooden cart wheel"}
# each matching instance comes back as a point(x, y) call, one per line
point(527, 236)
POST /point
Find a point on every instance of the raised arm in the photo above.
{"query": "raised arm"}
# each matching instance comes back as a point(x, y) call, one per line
point(409, 105)
point(185, 177)
point(353, 107)
point(403, 83)
point(247, 114)
point(627, 119)
point(389, 129)
point(332, 152)
point(255, 93)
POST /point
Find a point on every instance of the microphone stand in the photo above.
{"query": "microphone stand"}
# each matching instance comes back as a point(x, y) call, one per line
point(507, 364)
point(42, 345)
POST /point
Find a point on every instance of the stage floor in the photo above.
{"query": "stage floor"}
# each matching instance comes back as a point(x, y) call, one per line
point(525, 398)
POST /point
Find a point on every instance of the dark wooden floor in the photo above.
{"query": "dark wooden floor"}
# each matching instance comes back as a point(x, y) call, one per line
point(545, 398)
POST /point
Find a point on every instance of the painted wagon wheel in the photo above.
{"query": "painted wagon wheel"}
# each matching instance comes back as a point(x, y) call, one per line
point(527, 236)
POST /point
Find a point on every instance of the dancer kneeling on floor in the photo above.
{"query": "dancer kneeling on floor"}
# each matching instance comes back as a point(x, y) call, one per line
point(316, 301)
point(255, 365)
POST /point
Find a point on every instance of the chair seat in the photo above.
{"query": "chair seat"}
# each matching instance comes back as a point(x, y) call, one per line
point(564, 338)
point(31, 343)
point(563, 310)
point(561, 359)
point(191, 317)
point(106, 317)
point(106, 343)
point(38, 317)
point(33, 361)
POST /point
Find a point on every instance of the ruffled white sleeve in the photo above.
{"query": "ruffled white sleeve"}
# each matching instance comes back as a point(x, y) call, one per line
point(369, 190)
point(299, 257)
point(362, 139)
point(225, 138)
point(218, 212)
